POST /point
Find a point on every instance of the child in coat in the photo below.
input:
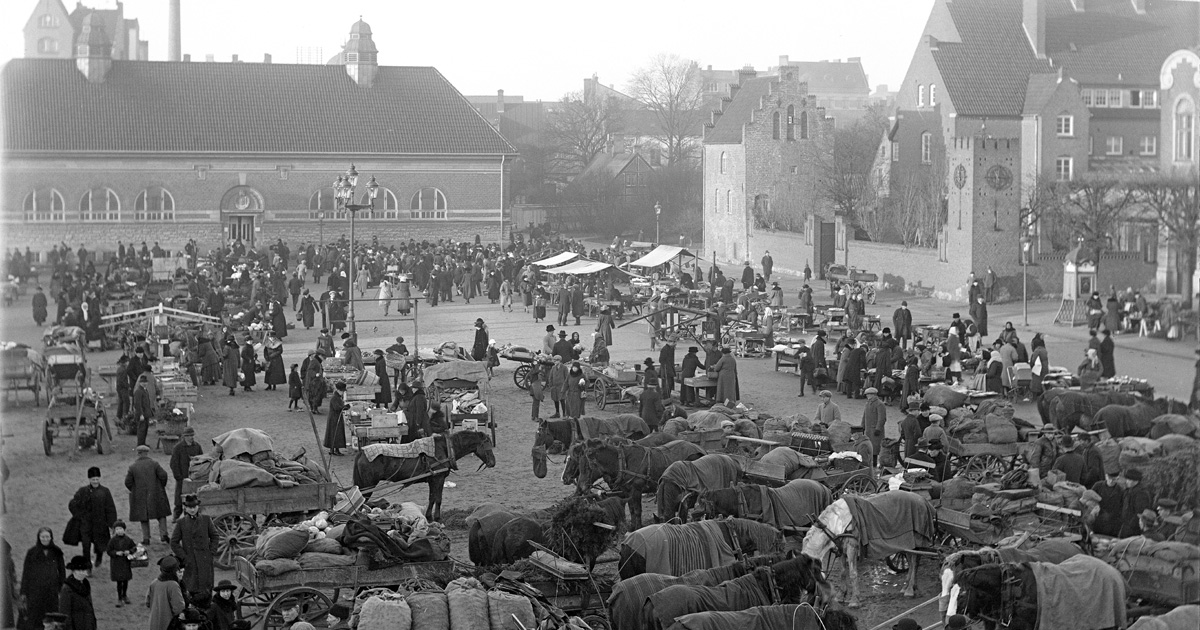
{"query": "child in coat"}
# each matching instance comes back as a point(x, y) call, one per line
point(120, 549)
point(537, 391)
point(295, 388)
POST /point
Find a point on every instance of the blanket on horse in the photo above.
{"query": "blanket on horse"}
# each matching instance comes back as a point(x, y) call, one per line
point(677, 549)
point(891, 522)
point(795, 504)
point(1052, 550)
point(707, 473)
point(624, 425)
point(1081, 592)
point(416, 448)
point(793, 616)
point(661, 457)
point(737, 594)
point(628, 596)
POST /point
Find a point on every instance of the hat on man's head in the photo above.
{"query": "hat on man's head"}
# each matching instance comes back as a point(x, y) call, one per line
point(1168, 504)
point(94, 471)
point(871, 390)
point(189, 431)
point(562, 333)
point(79, 563)
point(340, 610)
point(1132, 474)
point(1049, 428)
point(906, 623)
point(142, 448)
point(224, 585)
point(956, 622)
point(956, 316)
point(1146, 514)
point(693, 349)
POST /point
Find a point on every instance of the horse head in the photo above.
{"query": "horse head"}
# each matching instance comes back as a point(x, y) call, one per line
point(981, 590)
point(820, 542)
point(802, 575)
point(476, 442)
point(837, 619)
point(755, 537)
point(575, 464)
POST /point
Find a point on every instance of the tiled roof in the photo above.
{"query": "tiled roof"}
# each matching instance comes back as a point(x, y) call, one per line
point(728, 129)
point(1042, 86)
point(1109, 43)
point(189, 107)
point(832, 76)
point(987, 72)
point(608, 165)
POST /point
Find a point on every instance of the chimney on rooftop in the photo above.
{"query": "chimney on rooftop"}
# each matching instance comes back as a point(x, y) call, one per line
point(173, 34)
point(1033, 18)
point(235, 59)
point(745, 74)
point(266, 57)
point(783, 60)
point(499, 101)
point(187, 57)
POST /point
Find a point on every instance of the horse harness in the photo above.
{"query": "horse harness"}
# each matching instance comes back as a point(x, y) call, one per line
point(433, 467)
point(738, 554)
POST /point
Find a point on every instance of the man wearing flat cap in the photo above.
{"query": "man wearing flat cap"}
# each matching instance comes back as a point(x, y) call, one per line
point(193, 542)
point(1137, 499)
point(181, 459)
point(94, 512)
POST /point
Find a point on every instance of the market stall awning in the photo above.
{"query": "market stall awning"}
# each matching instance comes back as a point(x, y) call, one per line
point(556, 259)
point(660, 256)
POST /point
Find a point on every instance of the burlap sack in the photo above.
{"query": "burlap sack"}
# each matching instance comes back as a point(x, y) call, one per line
point(430, 610)
point(502, 607)
point(379, 613)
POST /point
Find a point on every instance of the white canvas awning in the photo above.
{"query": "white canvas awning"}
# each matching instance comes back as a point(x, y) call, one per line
point(660, 255)
point(581, 267)
point(556, 259)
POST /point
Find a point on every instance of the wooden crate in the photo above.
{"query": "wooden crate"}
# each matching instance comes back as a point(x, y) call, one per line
point(709, 439)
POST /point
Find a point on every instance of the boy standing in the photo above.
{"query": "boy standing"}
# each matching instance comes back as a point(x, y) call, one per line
point(120, 548)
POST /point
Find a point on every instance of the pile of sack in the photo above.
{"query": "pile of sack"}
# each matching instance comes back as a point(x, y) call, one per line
point(244, 458)
point(465, 401)
point(1136, 452)
point(465, 604)
point(991, 423)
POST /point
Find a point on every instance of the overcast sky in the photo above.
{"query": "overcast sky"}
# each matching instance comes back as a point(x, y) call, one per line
point(535, 48)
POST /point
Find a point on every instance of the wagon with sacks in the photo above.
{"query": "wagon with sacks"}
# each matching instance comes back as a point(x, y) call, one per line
point(313, 591)
point(461, 389)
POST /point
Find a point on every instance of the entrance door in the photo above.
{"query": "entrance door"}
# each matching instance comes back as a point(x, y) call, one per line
point(242, 228)
point(825, 246)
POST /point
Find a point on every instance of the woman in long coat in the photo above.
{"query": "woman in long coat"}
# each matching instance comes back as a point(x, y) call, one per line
point(165, 596)
point(385, 296)
point(314, 381)
point(273, 353)
point(576, 387)
point(335, 431)
point(229, 377)
point(417, 414)
point(308, 309)
point(210, 361)
point(249, 359)
point(41, 578)
point(403, 295)
point(480, 346)
point(727, 378)
point(384, 397)
point(278, 320)
point(606, 325)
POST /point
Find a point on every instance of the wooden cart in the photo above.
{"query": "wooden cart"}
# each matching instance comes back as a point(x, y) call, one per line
point(235, 511)
point(609, 389)
point(263, 598)
point(24, 369)
point(461, 375)
point(981, 462)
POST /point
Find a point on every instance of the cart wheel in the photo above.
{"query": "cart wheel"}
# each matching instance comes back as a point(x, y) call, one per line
point(897, 563)
point(492, 425)
point(521, 375)
point(47, 437)
point(601, 394)
point(234, 531)
point(859, 484)
point(981, 467)
point(597, 622)
point(314, 606)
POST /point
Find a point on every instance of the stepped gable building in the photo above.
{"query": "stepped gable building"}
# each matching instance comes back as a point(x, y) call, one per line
point(98, 148)
point(52, 32)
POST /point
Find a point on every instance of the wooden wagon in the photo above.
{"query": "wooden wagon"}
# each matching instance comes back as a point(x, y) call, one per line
point(456, 376)
point(980, 462)
point(263, 598)
point(24, 369)
point(235, 512)
point(614, 389)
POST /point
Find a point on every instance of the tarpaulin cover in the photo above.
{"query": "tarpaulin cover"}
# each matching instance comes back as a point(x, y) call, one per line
point(1081, 592)
point(239, 441)
point(556, 259)
point(661, 255)
point(465, 370)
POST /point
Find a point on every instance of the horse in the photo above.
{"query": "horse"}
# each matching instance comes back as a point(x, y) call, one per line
point(1180, 618)
point(628, 596)
point(583, 475)
point(677, 549)
point(551, 431)
point(793, 581)
point(497, 535)
point(793, 616)
point(881, 524)
point(1052, 550)
point(368, 474)
point(631, 469)
point(1134, 420)
point(686, 479)
point(1070, 409)
point(788, 508)
point(1082, 592)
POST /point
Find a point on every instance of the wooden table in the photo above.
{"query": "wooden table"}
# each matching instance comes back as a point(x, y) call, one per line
point(704, 384)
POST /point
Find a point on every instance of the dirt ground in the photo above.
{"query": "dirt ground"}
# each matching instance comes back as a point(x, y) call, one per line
point(39, 487)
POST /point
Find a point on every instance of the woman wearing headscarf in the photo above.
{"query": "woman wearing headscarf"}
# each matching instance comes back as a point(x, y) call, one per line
point(273, 354)
point(229, 366)
point(600, 356)
point(1090, 369)
point(353, 353)
point(41, 578)
point(576, 388)
point(576, 346)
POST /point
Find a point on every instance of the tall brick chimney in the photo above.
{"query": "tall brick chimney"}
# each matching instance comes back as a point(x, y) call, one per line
point(745, 74)
point(1033, 18)
point(173, 32)
point(499, 101)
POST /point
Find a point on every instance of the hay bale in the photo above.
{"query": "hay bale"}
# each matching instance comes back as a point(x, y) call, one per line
point(502, 607)
point(430, 610)
point(468, 604)
point(385, 613)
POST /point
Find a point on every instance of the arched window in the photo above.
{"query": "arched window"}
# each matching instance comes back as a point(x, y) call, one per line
point(791, 122)
point(775, 126)
point(45, 204)
point(729, 199)
point(932, 94)
point(154, 204)
point(323, 201)
point(920, 96)
point(47, 45)
point(428, 203)
point(1185, 130)
point(385, 205)
point(723, 158)
point(804, 125)
point(99, 204)
point(48, 21)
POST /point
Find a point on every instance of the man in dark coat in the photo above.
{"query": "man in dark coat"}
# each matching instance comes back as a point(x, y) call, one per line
point(563, 347)
point(181, 459)
point(564, 305)
point(249, 358)
point(335, 431)
point(93, 509)
point(1137, 499)
point(147, 484)
point(873, 421)
point(747, 276)
point(144, 407)
point(910, 429)
point(384, 397)
point(193, 541)
point(666, 360)
point(902, 324)
point(979, 313)
point(1070, 462)
point(768, 265)
point(688, 369)
point(1108, 366)
point(577, 303)
point(855, 363)
point(40, 312)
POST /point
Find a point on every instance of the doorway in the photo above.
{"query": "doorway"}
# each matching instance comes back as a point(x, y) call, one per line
point(241, 227)
point(826, 233)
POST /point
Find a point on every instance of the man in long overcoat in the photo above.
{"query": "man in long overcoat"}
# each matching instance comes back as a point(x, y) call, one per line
point(873, 422)
point(147, 484)
point(335, 430)
point(691, 365)
point(144, 406)
point(564, 305)
point(902, 324)
point(193, 541)
point(93, 509)
point(181, 460)
point(577, 303)
point(229, 367)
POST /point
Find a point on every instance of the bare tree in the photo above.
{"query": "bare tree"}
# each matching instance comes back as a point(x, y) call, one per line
point(1094, 206)
point(1176, 203)
point(577, 130)
point(843, 159)
point(670, 86)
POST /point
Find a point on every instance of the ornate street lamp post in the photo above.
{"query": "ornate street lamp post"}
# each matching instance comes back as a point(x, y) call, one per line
point(343, 188)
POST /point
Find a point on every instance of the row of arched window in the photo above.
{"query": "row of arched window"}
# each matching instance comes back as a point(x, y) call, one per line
point(790, 124)
point(426, 203)
point(99, 204)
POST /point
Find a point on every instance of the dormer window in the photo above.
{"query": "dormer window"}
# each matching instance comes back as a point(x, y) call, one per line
point(351, 57)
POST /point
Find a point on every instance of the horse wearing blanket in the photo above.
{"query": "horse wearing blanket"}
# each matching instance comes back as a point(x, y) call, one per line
point(677, 549)
point(786, 617)
point(710, 472)
point(628, 596)
point(1081, 593)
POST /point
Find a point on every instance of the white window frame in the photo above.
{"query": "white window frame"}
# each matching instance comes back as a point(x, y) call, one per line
point(88, 210)
point(1059, 163)
point(927, 148)
point(1099, 98)
point(390, 208)
point(1150, 99)
point(440, 204)
point(920, 96)
point(1148, 145)
point(1116, 97)
point(48, 21)
point(1184, 149)
point(55, 213)
point(1086, 95)
point(48, 45)
point(1064, 126)
point(165, 210)
point(1114, 145)
point(932, 94)
point(895, 151)
point(728, 201)
point(722, 162)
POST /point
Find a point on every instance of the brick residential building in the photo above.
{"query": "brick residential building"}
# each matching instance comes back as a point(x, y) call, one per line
point(52, 32)
point(98, 149)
